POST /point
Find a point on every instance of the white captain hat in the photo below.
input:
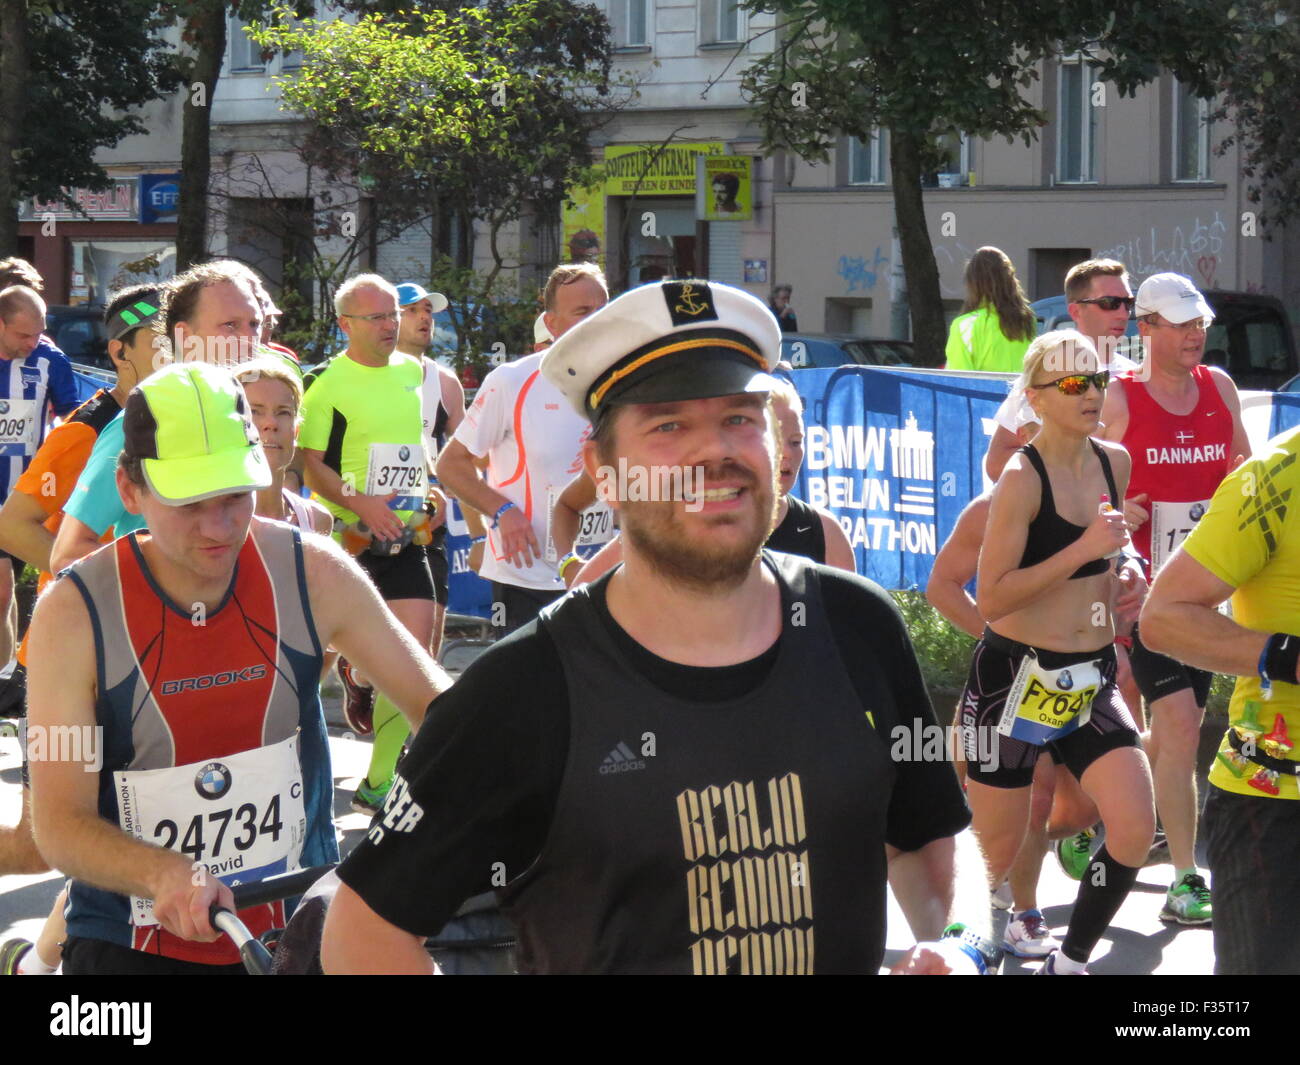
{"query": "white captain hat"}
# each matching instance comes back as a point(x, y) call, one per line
point(666, 341)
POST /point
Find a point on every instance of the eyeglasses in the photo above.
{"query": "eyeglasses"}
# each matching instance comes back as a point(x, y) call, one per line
point(390, 316)
point(1111, 303)
point(1077, 383)
point(1196, 325)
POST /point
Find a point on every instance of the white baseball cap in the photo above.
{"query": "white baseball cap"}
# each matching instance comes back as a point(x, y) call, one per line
point(541, 335)
point(1173, 297)
point(663, 342)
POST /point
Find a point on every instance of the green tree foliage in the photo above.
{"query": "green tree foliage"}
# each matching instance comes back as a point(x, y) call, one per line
point(928, 68)
point(90, 66)
point(1261, 95)
point(479, 113)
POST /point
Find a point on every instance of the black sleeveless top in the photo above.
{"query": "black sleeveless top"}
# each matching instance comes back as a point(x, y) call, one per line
point(800, 533)
point(1049, 532)
point(683, 831)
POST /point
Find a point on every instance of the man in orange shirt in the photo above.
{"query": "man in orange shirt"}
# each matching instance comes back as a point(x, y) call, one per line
point(31, 515)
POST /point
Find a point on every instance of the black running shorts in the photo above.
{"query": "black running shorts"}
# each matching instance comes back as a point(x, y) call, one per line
point(1158, 676)
point(992, 671)
point(402, 576)
point(437, 552)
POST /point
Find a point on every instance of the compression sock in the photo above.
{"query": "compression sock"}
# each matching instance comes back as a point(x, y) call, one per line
point(390, 733)
point(1102, 891)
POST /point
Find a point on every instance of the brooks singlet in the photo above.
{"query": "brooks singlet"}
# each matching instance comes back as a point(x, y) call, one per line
point(214, 741)
point(367, 421)
point(800, 532)
point(1250, 538)
point(1178, 462)
point(1049, 532)
point(533, 439)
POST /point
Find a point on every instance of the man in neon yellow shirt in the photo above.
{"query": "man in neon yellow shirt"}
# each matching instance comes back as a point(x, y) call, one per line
point(362, 442)
point(1247, 545)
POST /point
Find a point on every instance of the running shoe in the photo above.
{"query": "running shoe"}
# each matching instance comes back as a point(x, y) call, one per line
point(1029, 937)
point(1048, 968)
point(1188, 902)
point(1075, 852)
point(1001, 898)
point(11, 954)
point(1159, 852)
point(358, 701)
point(368, 800)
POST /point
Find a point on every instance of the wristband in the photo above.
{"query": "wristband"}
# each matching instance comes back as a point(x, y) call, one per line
point(496, 518)
point(1278, 660)
point(566, 561)
point(477, 540)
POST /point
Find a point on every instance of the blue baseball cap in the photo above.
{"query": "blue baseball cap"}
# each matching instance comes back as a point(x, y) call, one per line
point(409, 292)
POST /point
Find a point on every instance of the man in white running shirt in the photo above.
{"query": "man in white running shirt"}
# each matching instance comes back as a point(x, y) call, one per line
point(532, 440)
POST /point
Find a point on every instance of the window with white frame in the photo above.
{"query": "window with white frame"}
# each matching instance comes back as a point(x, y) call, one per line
point(1191, 135)
point(1076, 122)
point(245, 56)
point(956, 158)
point(630, 21)
point(868, 163)
point(722, 22)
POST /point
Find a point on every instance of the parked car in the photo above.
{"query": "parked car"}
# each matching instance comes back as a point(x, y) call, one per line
point(1250, 337)
point(816, 350)
point(79, 333)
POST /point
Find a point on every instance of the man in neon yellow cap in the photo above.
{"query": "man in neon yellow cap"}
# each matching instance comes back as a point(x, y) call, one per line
point(185, 660)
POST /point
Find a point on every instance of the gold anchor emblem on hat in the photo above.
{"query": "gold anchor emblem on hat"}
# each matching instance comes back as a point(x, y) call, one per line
point(688, 304)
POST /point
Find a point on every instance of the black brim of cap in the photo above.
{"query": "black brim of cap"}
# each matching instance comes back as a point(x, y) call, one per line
point(703, 373)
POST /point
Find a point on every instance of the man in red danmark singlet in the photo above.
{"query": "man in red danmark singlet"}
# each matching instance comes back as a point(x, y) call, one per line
point(1181, 423)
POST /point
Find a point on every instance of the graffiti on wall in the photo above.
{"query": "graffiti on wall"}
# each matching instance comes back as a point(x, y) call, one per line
point(859, 272)
point(1192, 249)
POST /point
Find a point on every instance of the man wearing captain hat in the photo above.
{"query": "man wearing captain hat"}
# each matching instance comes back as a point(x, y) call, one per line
point(699, 722)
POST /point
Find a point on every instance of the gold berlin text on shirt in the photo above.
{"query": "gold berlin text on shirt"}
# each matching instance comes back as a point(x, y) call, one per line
point(748, 888)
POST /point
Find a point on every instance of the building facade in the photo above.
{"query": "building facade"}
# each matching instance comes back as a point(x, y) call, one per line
point(1138, 179)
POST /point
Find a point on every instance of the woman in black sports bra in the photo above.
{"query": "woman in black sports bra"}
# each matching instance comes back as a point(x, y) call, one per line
point(1043, 675)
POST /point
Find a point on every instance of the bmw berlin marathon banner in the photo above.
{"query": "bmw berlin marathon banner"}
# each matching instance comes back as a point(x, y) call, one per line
point(894, 455)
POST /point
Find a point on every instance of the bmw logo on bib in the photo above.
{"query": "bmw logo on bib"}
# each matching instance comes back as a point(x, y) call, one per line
point(1064, 681)
point(212, 781)
point(403, 453)
point(4, 406)
point(1197, 512)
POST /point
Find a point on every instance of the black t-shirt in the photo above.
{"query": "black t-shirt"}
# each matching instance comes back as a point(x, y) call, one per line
point(485, 769)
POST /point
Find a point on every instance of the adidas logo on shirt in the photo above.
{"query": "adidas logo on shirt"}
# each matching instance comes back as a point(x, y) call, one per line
point(622, 759)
